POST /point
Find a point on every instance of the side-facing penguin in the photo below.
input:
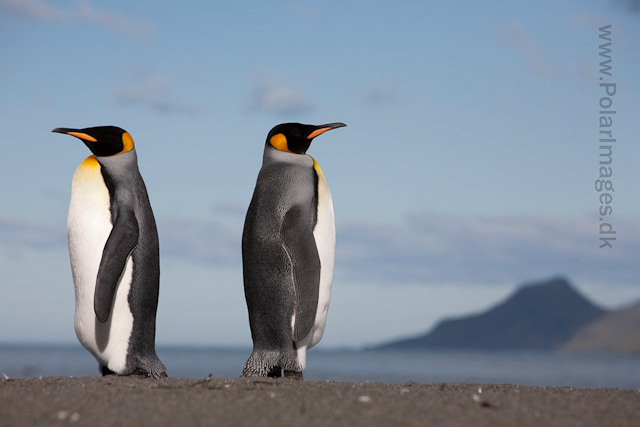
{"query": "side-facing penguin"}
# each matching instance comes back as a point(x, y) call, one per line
point(115, 257)
point(288, 247)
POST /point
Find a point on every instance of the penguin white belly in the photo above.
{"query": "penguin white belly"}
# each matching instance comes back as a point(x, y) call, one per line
point(325, 236)
point(88, 227)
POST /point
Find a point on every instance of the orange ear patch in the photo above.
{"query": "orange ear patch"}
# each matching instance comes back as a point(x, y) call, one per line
point(279, 141)
point(83, 136)
point(127, 142)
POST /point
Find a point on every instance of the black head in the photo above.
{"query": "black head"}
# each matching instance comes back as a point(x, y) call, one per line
point(102, 140)
point(296, 137)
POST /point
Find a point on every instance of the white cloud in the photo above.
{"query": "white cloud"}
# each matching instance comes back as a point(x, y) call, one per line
point(132, 27)
point(35, 9)
point(514, 37)
point(154, 92)
point(17, 234)
point(427, 249)
point(207, 242)
point(430, 248)
point(269, 96)
point(83, 12)
point(380, 93)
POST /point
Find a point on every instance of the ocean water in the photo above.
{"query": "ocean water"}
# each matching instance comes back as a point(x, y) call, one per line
point(516, 367)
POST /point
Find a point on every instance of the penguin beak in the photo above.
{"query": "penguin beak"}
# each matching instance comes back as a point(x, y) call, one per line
point(323, 128)
point(77, 133)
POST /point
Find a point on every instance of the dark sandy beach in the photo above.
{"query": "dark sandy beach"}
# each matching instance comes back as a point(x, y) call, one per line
point(137, 401)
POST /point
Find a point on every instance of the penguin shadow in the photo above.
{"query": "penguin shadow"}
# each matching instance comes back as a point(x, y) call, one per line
point(103, 331)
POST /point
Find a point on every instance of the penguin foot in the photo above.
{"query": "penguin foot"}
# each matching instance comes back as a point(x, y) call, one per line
point(293, 375)
point(152, 367)
point(263, 363)
point(156, 376)
point(154, 372)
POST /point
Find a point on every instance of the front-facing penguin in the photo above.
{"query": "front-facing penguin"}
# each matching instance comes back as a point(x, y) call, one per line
point(114, 252)
point(288, 248)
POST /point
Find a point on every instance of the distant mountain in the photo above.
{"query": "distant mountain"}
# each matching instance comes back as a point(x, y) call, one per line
point(538, 316)
point(617, 331)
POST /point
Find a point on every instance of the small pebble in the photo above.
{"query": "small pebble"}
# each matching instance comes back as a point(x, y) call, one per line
point(404, 391)
point(75, 417)
point(63, 415)
point(364, 399)
point(272, 395)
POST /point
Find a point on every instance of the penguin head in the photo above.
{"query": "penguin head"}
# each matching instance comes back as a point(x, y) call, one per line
point(296, 137)
point(102, 140)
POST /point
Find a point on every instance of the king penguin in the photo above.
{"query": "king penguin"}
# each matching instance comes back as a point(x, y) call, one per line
point(288, 246)
point(115, 257)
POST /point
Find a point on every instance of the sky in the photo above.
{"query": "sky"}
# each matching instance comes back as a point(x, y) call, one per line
point(468, 167)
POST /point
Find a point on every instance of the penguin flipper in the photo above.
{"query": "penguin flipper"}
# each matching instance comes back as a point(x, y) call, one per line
point(300, 245)
point(121, 242)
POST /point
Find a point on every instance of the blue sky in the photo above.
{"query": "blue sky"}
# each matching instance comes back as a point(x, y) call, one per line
point(467, 167)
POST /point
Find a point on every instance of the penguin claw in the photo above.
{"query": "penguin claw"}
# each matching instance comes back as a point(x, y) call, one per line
point(156, 374)
point(162, 374)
